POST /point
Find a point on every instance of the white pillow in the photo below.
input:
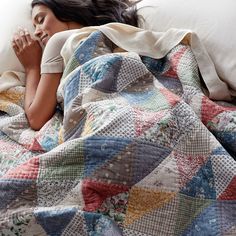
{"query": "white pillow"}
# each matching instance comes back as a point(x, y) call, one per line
point(213, 21)
point(13, 14)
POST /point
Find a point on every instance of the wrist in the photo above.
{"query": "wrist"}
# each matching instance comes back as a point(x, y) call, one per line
point(35, 69)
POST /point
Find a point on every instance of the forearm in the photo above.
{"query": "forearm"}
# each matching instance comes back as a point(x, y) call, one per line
point(40, 97)
point(32, 81)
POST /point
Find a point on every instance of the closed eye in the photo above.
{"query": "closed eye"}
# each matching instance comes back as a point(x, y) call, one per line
point(40, 20)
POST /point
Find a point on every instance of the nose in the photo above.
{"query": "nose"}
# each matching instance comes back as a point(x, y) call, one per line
point(37, 32)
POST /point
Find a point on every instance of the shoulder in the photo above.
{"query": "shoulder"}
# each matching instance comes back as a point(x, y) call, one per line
point(52, 61)
point(58, 39)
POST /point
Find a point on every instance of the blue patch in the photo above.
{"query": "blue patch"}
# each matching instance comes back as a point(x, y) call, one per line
point(49, 143)
point(227, 140)
point(147, 156)
point(219, 151)
point(103, 71)
point(11, 189)
point(97, 224)
point(98, 150)
point(155, 66)
point(55, 221)
point(91, 219)
point(72, 88)
point(138, 98)
point(202, 185)
point(86, 49)
point(216, 219)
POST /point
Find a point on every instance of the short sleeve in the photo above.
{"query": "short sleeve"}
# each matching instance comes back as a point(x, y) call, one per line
point(52, 61)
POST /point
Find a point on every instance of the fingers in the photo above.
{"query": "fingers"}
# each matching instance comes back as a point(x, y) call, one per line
point(27, 36)
point(17, 40)
point(15, 47)
point(21, 39)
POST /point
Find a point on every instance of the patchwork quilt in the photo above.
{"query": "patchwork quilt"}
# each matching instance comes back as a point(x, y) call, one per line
point(135, 148)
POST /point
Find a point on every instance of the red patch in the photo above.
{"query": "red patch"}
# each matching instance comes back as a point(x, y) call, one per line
point(95, 193)
point(230, 191)
point(174, 62)
point(188, 166)
point(144, 120)
point(170, 97)
point(28, 170)
point(210, 110)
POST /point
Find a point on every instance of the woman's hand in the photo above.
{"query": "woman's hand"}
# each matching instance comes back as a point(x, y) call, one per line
point(27, 49)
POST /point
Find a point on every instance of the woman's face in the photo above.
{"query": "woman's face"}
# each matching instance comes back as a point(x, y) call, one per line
point(46, 24)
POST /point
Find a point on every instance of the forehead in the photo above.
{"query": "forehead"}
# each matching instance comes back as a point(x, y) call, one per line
point(39, 8)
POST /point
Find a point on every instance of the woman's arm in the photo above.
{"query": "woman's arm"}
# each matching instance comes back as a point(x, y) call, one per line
point(40, 97)
point(40, 93)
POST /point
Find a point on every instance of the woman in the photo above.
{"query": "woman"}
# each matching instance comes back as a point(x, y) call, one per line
point(58, 18)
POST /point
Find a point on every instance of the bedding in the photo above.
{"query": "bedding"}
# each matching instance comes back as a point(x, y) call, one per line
point(135, 148)
point(211, 20)
point(13, 14)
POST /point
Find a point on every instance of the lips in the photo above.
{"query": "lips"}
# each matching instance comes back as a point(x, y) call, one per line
point(44, 39)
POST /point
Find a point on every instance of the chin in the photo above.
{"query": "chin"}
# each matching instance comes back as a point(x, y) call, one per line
point(41, 44)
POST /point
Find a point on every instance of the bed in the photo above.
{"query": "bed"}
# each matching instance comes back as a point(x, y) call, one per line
point(139, 144)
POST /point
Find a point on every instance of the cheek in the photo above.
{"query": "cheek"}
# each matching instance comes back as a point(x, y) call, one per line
point(53, 26)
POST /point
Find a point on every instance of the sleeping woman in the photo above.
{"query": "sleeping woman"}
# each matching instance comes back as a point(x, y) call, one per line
point(55, 21)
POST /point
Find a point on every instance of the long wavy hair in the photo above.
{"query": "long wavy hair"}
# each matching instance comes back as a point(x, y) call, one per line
point(92, 12)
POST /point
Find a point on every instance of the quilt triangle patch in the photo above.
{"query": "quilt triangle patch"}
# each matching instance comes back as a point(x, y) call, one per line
point(171, 97)
point(10, 190)
point(188, 166)
point(35, 146)
point(144, 99)
point(98, 224)
point(28, 170)
point(107, 78)
point(147, 156)
point(226, 216)
point(54, 222)
point(117, 170)
point(189, 209)
point(223, 176)
point(144, 120)
point(211, 109)
point(216, 219)
point(202, 184)
point(98, 150)
point(130, 166)
point(174, 62)
point(88, 48)
point(230, 192)
point(143, 201)
point(227, 139)
point(164, 177)
point(95, 193)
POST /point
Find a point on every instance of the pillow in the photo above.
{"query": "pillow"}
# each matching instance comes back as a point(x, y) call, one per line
point(213, 21)
point(13, 13)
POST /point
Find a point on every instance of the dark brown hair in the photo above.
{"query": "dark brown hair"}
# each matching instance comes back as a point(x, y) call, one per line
point(92, 12)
